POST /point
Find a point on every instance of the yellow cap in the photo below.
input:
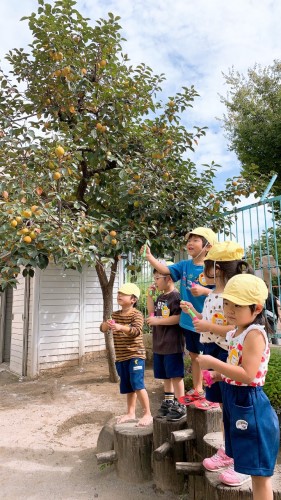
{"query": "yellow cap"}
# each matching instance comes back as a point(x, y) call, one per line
point(225, 251)
point(130, 289)
point(207, 233)
point(245, 289)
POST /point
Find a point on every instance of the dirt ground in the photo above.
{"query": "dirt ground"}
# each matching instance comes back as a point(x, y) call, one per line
point(49, 429)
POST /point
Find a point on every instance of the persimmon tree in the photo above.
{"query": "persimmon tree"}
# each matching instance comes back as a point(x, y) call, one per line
point(92, 163)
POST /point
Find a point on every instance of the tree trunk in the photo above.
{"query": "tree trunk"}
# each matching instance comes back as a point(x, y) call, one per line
point(106, 284)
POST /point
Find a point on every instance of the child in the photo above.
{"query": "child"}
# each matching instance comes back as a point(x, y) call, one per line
point(193, 289)
point(168, 344)
point(126, 326)
point(222, 262)
point(250, 423)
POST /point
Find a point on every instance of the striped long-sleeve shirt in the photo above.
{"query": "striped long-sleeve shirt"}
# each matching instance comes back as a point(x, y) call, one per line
point(129, 345)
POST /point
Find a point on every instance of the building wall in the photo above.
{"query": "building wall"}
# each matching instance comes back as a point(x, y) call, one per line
point(16, 354)
point(59, 316)
point(8, 325)
point(70, 313)
point(64, 315)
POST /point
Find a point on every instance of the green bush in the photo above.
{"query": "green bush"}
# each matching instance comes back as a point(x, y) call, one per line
point(272, 386)
point(188, 384)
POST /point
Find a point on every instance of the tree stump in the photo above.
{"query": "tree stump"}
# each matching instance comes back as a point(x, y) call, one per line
point(200, 422)
point(133, 446)
point(105, 439)
point(203, 422)
point(166, 454)
point(213, 442)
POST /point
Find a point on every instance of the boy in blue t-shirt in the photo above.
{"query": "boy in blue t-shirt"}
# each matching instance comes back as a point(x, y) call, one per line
point(192, 289)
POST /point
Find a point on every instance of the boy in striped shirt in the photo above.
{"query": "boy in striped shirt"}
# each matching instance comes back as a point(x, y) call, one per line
point(126, 325)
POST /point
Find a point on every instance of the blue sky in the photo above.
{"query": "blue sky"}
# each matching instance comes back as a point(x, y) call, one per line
point(193, 43)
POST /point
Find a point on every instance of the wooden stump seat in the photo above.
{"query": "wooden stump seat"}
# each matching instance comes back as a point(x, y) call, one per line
point(166, 453)
point(132, 452)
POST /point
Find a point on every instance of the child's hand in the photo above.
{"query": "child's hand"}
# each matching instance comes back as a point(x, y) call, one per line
point(145, 251)
point(185, 306)
point(201, 325)
point(197, 290)
point(210, 377)
point(152, 320)
point(207, 378)
point(104, 327)
point(114, 327)
point(151, 289)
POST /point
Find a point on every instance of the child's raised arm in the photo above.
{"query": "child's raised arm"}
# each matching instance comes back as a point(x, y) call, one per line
point(161, 268)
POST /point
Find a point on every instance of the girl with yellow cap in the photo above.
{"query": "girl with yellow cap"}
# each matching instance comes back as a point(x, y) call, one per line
point(251, 425)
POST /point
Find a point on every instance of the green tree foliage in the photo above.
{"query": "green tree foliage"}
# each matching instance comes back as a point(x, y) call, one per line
point(86, 150)
point(91, 163)
point(272, 385)
point(253, 120)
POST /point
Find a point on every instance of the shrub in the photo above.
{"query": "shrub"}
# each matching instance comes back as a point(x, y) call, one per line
point(188, 384)
point(272, 386)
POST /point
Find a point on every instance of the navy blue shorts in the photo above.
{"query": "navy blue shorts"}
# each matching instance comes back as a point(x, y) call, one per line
point(251, 430)
point(166, 366)
point(131, 373)
point(214, 393)
point(192, 341)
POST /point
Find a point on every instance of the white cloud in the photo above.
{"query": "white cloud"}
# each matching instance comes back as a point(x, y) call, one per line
point(191, 42)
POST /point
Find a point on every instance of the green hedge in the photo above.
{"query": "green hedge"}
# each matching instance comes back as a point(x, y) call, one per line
point(272, 386)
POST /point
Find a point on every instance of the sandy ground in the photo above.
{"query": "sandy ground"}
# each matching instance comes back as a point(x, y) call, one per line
point(49, 429)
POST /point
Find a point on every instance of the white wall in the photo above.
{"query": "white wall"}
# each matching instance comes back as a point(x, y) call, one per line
point(70, 312)
point(66, 309)
point(17, 327)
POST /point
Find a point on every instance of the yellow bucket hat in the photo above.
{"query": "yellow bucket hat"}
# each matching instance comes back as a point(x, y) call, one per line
point(245, 289)
point(130, 289)
point(225, 251)
point(207, 233)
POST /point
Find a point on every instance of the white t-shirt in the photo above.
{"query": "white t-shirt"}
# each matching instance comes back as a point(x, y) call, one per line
point(213, 311)
point(235, 355)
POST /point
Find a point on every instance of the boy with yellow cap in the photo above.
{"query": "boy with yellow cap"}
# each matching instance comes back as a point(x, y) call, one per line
point(192, 289)
point(126, 325)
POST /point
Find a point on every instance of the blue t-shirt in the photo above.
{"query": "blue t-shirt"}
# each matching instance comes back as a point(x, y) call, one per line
point(187, 272)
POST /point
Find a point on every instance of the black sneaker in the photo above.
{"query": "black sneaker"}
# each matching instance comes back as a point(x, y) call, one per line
point(177, 412)
point(165, 407)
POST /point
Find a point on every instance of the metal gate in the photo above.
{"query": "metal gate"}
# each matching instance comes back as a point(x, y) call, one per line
point(257, 227)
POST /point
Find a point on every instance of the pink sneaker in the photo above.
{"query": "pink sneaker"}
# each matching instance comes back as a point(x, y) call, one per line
point(232, 478)
point(218, 461)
